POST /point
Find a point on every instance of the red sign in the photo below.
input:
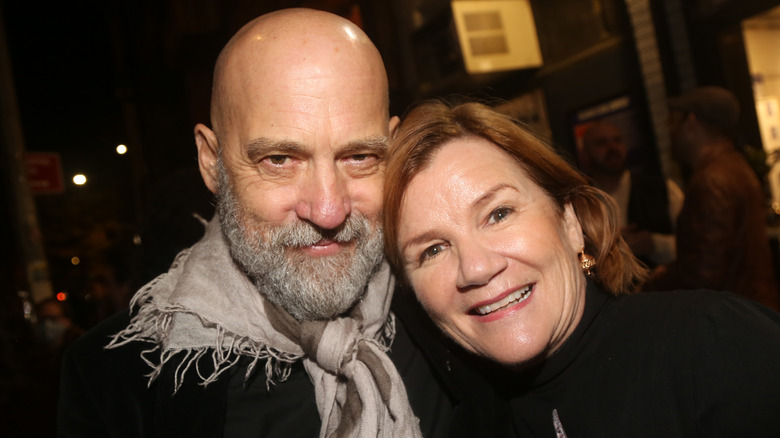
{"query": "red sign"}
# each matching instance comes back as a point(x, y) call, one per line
point(44, 172)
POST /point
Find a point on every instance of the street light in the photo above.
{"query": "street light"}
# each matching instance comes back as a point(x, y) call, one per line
point(121, 149)
point(79, 179)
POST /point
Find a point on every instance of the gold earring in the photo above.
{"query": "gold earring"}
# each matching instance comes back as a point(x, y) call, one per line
point(587, 262)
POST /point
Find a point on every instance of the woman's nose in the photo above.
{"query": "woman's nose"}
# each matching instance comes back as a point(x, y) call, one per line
point(478, 264)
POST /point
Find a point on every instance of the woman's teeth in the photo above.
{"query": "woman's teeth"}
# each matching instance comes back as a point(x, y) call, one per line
point(514, 297)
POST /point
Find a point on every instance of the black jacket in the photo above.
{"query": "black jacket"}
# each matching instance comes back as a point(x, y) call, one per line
point(104, 393)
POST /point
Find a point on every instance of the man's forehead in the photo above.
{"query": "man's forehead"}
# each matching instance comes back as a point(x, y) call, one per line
point(308, 119)
point(604, 131)
point(328, 92)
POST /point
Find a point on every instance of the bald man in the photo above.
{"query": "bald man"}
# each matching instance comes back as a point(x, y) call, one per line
point(277, 322)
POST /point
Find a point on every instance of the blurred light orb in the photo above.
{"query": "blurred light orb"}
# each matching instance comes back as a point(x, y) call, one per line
point(62, 296)
point(121, 149)
point(75, 261)
point(79, 179)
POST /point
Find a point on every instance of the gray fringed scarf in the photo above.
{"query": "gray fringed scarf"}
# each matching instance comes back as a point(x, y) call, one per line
point(205, 305)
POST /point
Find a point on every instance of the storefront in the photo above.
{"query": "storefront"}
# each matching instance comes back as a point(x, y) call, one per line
point(618, 58)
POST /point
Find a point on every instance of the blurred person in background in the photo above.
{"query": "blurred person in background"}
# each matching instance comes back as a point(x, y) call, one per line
point(55, 323)
point(649, 204)
point(722, 238)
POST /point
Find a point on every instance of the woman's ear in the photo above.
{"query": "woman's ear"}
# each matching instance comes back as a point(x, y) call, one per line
point(208, 151)
point(572, 227)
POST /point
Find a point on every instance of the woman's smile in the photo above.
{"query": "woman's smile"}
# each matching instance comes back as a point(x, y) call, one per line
point(505, 302)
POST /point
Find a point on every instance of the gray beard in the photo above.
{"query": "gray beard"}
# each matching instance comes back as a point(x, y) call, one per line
point(309, 288)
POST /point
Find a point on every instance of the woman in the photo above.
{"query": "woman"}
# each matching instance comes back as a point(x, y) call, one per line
point(517, 259)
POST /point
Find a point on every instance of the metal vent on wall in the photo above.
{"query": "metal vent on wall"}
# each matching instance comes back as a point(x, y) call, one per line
point(494, 40)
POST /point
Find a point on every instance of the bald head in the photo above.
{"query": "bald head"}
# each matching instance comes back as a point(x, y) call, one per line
point(293, 52)
point(297, 145)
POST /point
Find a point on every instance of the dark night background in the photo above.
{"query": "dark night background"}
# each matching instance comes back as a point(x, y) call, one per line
point(92, 74)
point(89, 75)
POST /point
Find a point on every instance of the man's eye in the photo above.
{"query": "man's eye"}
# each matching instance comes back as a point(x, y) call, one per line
point(363, 159)
point(499, 214)
point(361, 164)
point(277, 160)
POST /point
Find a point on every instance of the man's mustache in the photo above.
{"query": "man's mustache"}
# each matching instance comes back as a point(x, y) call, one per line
point(300, 233)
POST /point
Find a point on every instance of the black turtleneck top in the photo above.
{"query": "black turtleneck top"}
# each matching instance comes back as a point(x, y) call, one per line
point(666, 364)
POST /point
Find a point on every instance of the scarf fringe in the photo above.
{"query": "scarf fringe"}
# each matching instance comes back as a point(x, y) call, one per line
point(153, 325)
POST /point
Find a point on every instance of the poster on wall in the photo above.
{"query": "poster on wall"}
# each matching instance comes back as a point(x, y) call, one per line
point(623, 113)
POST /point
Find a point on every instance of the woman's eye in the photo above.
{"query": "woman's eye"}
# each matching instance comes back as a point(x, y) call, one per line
point(431, 252)
point(499, 214)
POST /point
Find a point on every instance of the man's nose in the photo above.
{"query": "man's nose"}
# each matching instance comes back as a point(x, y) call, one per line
point(324, 198)
point(478, 264)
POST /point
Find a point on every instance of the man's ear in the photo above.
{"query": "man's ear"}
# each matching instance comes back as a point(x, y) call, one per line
point(208, 151)
point(394, 122)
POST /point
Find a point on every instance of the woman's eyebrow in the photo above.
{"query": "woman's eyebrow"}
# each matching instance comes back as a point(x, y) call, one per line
point(490, 194)
point(418, 239)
